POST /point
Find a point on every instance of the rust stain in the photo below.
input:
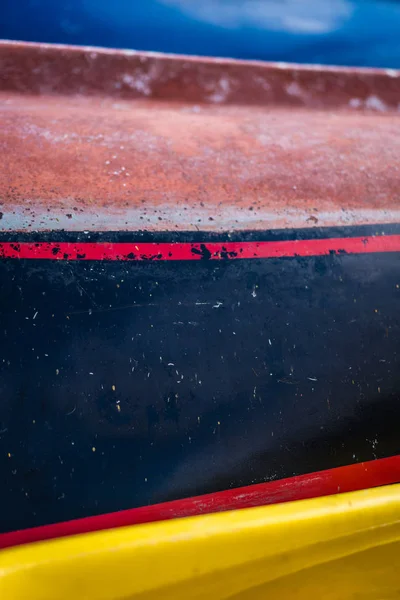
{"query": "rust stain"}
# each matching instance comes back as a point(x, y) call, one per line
point(173, 146)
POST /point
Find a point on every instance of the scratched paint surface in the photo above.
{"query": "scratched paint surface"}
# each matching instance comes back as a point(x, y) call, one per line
point(111, 140)
point(85, 164)
point(239, 250)
point(124, 383)
point(129, 383)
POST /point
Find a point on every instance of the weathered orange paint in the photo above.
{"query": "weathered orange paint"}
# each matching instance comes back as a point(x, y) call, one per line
point(101, 139)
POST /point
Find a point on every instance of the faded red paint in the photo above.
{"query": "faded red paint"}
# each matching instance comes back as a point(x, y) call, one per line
point(101, 140)
point(359, 476)
point(197, 251)
point(48, 69)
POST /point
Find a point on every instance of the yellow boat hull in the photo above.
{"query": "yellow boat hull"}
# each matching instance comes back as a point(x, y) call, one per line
point(337, 547)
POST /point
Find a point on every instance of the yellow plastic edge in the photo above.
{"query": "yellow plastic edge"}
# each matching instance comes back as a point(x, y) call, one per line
point(342, 546)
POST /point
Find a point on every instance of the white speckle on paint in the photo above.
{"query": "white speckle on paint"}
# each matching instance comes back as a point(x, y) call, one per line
point(355, 103)
point(141, 80)
point(221, 91)
point(293, 89)
point(375, 103)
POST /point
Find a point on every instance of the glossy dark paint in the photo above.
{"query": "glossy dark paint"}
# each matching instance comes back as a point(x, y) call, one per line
point(125, 384)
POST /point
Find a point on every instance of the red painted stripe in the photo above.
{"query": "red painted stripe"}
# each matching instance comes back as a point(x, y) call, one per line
point(191, 251)
point(322, 483)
